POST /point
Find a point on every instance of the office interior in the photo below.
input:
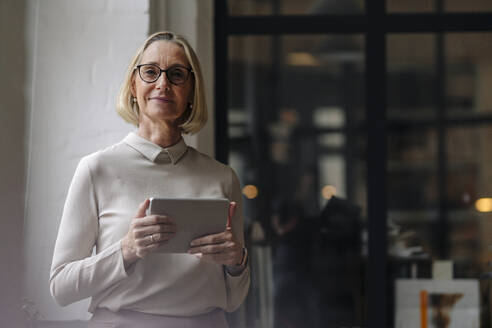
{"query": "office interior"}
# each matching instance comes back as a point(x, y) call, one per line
point(360, 132)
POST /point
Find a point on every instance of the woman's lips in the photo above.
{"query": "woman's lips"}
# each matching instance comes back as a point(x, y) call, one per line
point(163, 99)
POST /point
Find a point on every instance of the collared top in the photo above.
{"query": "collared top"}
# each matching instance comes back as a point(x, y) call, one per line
point(104, 195)
point(155, 152)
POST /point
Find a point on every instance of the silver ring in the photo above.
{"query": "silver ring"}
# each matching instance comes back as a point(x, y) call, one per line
point(152, 238)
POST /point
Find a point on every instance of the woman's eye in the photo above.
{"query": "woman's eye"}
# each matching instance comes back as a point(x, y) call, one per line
point(177, 73)
point(151, 72)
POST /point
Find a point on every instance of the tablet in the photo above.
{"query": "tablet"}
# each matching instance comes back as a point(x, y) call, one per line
point(194, 217)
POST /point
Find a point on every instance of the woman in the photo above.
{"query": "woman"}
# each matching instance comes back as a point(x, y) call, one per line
point(130, 284)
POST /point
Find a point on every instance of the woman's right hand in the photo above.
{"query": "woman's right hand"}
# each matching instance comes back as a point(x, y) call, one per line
point(146, 234)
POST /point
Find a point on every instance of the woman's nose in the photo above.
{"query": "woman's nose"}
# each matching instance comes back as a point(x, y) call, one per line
point(163, 81)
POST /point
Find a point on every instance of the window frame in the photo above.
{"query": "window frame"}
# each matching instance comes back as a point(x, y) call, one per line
point(375, 24)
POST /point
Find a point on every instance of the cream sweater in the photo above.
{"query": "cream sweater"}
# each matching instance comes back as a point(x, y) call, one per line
point(103, 197)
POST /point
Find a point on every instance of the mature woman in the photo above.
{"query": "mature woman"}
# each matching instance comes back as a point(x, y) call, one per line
point(131, 285)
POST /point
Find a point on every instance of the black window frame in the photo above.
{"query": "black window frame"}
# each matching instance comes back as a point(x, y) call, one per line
point(375, 24)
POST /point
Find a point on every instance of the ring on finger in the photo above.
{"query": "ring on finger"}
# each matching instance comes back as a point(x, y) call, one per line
point(152, 239)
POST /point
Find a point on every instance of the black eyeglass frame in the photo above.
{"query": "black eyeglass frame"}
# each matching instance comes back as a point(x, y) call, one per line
point(190, 70)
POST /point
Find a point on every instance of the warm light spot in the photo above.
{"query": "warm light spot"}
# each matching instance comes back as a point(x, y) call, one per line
point(301, 59)
point(484, 204)
point(250, 191)
point(328, 191)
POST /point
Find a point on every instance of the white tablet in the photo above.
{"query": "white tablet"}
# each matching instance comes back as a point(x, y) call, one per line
point(194, 217)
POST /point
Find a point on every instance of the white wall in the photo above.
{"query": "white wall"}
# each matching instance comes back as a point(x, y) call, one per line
point(78, 53)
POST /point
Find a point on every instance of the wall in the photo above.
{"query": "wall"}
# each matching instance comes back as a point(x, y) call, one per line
point(78, 53)
point(12, 158)
point(192, 19)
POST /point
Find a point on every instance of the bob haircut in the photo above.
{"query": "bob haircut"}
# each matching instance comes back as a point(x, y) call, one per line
point(193, 118)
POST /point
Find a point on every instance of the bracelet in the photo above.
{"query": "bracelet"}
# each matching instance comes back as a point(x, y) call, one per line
point(244, 258)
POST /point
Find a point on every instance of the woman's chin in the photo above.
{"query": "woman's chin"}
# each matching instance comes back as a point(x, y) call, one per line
point(163, 115)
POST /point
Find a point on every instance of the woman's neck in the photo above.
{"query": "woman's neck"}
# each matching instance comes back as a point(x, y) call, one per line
point(164, 135)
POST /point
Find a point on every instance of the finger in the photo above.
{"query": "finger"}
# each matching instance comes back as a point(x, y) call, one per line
point(211, 239)
point(212, 249)
point(143, 241)
point(163, 237)
point(156, 219)
point(163, 228)
point(140, 230)
point(232, 210)
point(142, 208)
point(150, 240)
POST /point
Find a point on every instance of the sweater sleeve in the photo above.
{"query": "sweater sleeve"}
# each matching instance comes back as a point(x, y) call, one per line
point(75, 272)
point(237, 286)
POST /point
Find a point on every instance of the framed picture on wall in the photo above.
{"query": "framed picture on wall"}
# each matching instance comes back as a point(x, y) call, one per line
point(426, 303)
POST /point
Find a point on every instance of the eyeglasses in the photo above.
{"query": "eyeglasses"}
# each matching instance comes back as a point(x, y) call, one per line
point(177, 75)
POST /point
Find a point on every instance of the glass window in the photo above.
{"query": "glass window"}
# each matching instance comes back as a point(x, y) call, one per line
point(295, 7)
point(467, 190)
point(468, 74)
point(295, 107)
point(439, 198)
point(425, 6)
point(468, 6)
point(412, 169)
point(412, 200)
point(410, 6)
point(411, 78)
point(414, 221)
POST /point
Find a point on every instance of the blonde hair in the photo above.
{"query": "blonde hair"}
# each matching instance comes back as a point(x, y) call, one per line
point(193, 118)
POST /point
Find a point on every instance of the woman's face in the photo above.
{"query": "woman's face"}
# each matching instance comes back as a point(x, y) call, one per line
point(161, 100)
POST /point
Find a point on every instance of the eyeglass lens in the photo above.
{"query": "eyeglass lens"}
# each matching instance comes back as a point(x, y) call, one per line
point(151, 73)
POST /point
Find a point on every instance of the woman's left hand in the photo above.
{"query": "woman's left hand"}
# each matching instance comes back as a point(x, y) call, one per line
point(221, 248)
